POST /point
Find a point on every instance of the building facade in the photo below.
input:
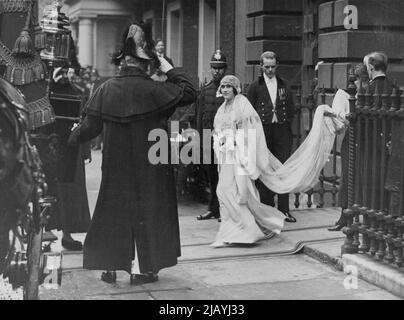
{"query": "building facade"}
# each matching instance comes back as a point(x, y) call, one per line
point(302, 32)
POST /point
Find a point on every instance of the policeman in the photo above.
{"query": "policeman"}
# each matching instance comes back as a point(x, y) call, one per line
point(206, 108)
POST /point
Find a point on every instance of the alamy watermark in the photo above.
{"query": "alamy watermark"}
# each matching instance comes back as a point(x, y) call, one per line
point(232, 145)
point(351, 19)
point(351, 280)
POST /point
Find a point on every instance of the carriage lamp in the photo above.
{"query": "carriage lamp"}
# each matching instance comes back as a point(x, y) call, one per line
point(55, 26)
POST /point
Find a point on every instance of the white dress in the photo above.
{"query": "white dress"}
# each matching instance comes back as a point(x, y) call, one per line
point(243, 156)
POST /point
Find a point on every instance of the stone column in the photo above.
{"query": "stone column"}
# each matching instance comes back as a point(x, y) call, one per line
point(274, 25)
point(86, 41)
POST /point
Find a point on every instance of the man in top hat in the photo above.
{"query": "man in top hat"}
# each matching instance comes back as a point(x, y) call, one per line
point(206, 108)
point(273, 100)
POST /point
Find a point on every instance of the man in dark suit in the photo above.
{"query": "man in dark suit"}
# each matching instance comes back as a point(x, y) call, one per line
point(160, 50)
point(157, 74)
point(376, 64)
point(273, 100)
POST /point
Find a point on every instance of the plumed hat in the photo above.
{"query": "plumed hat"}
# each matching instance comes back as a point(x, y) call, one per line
point(137, 33)
point(218, 60)
point(137, 42)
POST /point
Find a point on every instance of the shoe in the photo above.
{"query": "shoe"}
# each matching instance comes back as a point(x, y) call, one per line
point(289, 217)
point(72, 245)
point(108, 276)
point(342, 222)
point(208, 215)
point(219, 219)
point(138, 279)
point(337, 227)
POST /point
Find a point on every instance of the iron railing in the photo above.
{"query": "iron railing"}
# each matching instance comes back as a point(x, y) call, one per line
point(376, 175)
point(329, 179)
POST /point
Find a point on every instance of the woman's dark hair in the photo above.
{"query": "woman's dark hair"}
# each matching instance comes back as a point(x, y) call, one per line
point(234, 91)
point(128, 46)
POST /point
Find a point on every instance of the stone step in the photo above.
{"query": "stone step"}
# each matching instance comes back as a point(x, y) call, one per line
point(363, 266)
point(375, 272)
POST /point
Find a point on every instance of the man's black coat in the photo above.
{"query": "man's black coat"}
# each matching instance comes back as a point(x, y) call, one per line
point(278, 135)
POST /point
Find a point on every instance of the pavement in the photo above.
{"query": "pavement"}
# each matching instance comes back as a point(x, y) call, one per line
point(303, 262)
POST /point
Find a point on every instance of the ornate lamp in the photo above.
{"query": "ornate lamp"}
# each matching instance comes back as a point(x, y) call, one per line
point(55, 26)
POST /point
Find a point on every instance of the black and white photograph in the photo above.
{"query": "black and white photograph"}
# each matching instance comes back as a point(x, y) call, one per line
point(198, 155)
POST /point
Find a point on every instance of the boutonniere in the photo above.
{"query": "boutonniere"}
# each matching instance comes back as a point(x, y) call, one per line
point(282, 93)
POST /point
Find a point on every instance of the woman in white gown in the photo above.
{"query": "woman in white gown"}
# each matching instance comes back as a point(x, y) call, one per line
point(242, 154)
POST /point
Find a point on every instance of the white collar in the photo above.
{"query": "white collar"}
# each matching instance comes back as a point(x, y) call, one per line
point(379, 75)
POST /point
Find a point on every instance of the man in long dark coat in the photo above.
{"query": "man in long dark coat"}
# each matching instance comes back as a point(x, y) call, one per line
point(136, 209)
point(273, 101)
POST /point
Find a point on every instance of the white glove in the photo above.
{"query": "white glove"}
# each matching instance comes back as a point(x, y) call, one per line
point(56, 79)
point(75, 125)
point(165, 66)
